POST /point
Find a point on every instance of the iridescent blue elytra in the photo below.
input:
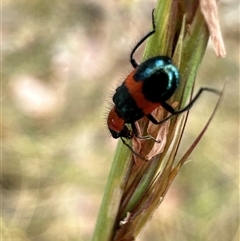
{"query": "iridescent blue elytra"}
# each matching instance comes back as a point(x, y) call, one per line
point(160, 78)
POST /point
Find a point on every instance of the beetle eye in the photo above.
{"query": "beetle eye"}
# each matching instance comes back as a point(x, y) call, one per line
point(125, 132)
point(114, 134)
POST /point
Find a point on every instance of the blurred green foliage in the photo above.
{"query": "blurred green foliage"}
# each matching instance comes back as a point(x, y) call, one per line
point(61, 60)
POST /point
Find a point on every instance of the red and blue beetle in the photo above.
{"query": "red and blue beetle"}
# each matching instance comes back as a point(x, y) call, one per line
point(148, 86)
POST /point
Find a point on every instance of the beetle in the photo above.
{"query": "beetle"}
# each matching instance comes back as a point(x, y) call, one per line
point(149, 85)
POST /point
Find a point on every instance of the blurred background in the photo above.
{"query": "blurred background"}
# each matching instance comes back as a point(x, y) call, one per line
point(61, 62)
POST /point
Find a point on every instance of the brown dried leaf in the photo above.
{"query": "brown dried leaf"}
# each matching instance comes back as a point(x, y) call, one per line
point(161, 134)
point(210, 14)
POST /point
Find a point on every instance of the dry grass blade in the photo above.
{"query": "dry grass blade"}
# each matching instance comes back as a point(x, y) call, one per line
point(210, 13)
point(194, 144)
